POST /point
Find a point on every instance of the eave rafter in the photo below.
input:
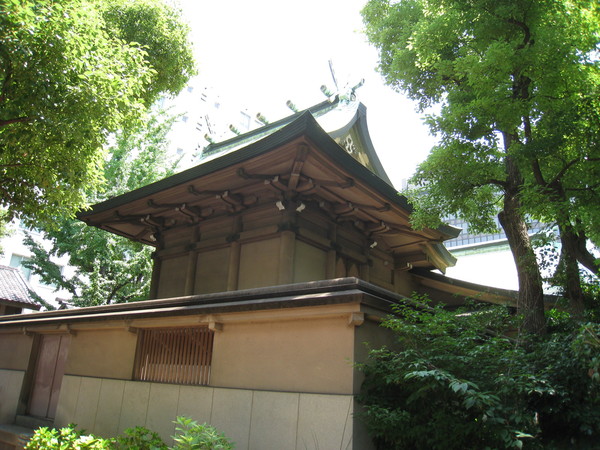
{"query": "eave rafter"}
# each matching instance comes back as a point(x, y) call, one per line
point(232, 202)
point(149, 227)
point(148, 220)
point(192, 213)
point(292, 182)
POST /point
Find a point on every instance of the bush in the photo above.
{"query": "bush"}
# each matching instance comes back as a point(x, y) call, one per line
point(189, 436)
point(66, 438)
point(139, 438)
point(192, 436)
point(459, 381)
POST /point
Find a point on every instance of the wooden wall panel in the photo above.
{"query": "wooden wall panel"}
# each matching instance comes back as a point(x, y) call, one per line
point(212, 270)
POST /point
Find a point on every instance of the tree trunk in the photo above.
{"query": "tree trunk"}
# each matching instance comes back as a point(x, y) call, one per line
point(530, 302)
point(584, 256)
point(568, 263)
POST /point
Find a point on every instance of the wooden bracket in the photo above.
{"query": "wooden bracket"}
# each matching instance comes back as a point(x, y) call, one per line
point(70, 330)
point(356, 319)
point(215, 326)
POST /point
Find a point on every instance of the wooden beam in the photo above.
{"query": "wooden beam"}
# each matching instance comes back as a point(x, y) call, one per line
point(301, 155)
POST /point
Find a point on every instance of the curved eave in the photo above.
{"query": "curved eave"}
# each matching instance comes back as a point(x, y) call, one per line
point(439, 256)
point(453, 286)
point(359, 121)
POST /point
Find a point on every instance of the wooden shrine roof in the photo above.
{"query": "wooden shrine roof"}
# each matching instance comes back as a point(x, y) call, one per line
point(295, 161)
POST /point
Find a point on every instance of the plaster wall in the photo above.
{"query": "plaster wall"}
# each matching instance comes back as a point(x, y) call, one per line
point(259, 264)
point(310, 355)
point(172, 277)
point(404, 283)
point(294, 349)
point(212, 270)
point(253, 419)
point(310, 263)
point(381, 272)
point(102, 353)
point(15, 350)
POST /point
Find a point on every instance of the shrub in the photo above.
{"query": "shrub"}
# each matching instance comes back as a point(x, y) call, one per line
point(459, 381)
point(139, 438)
point(190, 436)
point(66, 438)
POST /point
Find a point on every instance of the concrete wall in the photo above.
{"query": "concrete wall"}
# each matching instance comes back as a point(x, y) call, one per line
point(253, 419)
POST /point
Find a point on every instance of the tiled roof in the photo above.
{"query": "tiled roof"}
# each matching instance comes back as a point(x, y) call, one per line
point(14, 288)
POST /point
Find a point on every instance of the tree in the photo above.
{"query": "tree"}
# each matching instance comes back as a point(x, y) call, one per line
point(503, 72)
point(108, 268)
point(71, 73)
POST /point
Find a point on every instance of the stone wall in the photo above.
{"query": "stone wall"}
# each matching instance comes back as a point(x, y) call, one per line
point(253, 419)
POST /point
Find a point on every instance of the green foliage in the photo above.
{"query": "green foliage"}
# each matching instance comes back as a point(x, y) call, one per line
point(460, 381)
point(568, 360)
point(65, 439)
point(518, 89)
point(139, 438)
point(4, 229)
point(192, 436)
point(156, 28)
point(71, 72)
point(108, 268)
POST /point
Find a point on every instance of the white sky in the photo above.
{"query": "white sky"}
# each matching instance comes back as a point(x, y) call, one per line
point(258, 54)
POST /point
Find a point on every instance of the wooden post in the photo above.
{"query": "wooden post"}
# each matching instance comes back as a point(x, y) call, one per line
point(155, 276)
point(192, 263)
point(330, 270)
point(234, 266)
point(233, 271)
point(286, 257)
point(190, 275)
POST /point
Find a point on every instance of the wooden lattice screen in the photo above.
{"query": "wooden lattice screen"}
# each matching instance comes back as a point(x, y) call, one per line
point(174, 355)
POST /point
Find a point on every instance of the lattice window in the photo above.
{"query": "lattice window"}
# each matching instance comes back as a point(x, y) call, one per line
point(174, 355)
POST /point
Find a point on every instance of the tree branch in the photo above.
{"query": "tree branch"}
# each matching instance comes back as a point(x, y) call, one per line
point(7, 73)
point(567, 166)
point(589, 188)
point(527, 33)
point(3, 123)
point(494, 181)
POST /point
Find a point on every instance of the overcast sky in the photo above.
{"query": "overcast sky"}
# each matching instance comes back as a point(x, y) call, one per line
point(258, 54)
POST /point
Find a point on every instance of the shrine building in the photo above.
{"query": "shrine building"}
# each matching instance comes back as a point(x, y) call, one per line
point(276, 259)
